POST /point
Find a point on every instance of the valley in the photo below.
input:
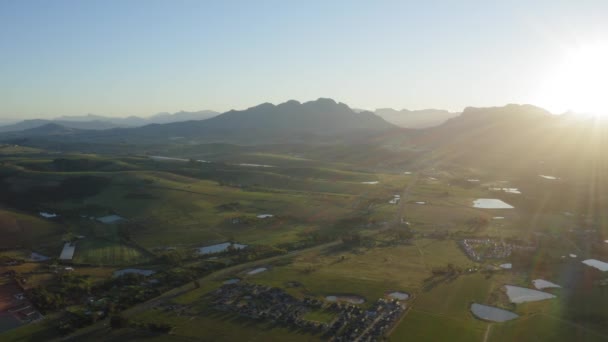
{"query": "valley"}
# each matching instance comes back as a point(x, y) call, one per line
point(319, 229)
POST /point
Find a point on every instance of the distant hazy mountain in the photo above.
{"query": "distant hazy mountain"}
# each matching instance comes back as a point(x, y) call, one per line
point(136, 121)
point(50, 129)
point(98, 122)
point(415, 118)
point(267, 122)
point(162, 118)
point(292, 121)
point(29, 124)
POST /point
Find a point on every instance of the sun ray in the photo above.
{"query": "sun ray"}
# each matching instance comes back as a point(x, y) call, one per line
point(578, 81)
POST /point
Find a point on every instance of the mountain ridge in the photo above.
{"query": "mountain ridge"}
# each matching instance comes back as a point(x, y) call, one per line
point(100, 122)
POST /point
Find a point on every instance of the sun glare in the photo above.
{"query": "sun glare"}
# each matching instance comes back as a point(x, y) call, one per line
point(578, 83)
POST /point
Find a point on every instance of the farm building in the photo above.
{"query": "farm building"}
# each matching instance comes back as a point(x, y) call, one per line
point(68, 251)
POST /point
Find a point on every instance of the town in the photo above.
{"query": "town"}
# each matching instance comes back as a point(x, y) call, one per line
point(351, 322)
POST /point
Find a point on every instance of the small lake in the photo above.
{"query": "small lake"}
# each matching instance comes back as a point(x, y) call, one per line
point(38, 257)
point(515, 191)
point(145, 273)
point(522, 295)
point(48, 215)
point(254, 165)
point(109, 219)
point(399, 295)
point(219, 248)
point(493, 314)
point(491, 203)
point(257, 270)
point(232, 281)
point(600, 265)
point(161, 158)
point(371, 182)
point(544, 284)
point(171, 159)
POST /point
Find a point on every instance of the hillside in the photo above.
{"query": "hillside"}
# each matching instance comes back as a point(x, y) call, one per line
point(515, 136)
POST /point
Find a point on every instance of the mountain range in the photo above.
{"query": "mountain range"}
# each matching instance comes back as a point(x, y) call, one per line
point(98, 122)
point(497, 135)
point(404, 118)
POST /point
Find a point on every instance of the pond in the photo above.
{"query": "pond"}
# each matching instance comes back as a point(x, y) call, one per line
point(220, 247)
point(254, 165)
point(257, 270)
point(600, 265)
point(544, 284)
point(399, 295)
point(145, 273)
point(161, 158)
point(507, 190)
point(522, 295)
point(493, 314)
point(491, 203)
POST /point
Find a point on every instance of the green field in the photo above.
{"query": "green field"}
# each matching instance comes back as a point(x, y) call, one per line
point(185, 205)
point(104, 252)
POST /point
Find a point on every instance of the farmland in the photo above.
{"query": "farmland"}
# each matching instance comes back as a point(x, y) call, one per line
point(319, 228)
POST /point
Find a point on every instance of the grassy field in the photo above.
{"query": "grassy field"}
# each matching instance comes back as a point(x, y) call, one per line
point(104, 252)
point(370, 273)
point(320, 316)
point(542, 328)
point(22, 229)
point(187, 205)
point(217, 326)
point(424, 326)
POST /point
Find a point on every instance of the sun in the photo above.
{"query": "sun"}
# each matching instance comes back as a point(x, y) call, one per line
point(579, 82)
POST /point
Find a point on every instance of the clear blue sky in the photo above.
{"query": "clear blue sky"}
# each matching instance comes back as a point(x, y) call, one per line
point(142, 57)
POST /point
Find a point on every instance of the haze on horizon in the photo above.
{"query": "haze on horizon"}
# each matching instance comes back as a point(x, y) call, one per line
point(121, 58)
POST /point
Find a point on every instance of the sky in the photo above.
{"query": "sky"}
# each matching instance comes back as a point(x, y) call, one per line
point(129, 57)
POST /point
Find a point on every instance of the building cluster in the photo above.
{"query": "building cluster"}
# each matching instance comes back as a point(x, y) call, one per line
point(13, 301)
point(263, 302)
point(350, 323)
point(480, 249)
point(356, 324)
